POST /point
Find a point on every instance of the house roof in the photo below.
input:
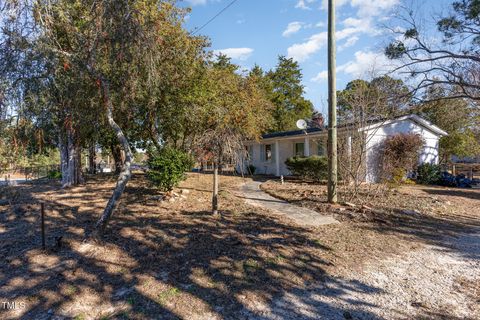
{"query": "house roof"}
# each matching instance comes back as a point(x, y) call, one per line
point(291, 133)
point(413, 117)
point(373, 125)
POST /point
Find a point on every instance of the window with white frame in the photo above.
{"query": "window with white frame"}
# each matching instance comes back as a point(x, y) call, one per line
point(267, 152)
point(299, 149)
point(320, 149)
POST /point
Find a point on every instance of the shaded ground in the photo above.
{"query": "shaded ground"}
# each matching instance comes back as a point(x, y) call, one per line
point(163, 260)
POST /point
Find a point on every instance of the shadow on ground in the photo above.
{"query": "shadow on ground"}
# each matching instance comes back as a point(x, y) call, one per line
point(162, 264)
point(473, 194)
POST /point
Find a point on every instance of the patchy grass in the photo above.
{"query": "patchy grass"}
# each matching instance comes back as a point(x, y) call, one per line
point(166, 295)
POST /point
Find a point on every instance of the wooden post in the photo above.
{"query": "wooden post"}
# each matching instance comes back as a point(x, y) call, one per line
point(306, 147)
point(42, 213)
point(215, 190)
point(277, 158)
point(332, 107)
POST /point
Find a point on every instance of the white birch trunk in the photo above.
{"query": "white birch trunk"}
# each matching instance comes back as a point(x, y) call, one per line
point(125, 173)
point(71, 160)
point(63, 160)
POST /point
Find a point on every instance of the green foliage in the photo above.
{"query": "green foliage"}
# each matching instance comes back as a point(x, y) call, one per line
point(457, 117)
point(167, 167)
point(54, 174)
point(313, 167)
point(283, 86)
point(230, 109)
point(251, 169)
point(463, 20)
point(395, 50)
point(411, 33)
point(428, 173)
point(460, 143)
point(400, 155)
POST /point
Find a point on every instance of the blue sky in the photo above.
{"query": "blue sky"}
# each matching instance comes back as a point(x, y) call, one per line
point(257, 31)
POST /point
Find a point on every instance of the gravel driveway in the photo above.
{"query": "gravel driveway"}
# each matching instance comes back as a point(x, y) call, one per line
point(428, 283)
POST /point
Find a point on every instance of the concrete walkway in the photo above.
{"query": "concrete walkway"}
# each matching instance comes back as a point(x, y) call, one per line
point(11, 182)
point(253, 195)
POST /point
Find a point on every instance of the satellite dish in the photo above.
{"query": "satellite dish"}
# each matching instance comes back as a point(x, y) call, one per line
point(302, 124)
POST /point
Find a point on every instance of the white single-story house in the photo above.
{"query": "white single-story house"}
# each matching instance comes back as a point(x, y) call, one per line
point(270, 153)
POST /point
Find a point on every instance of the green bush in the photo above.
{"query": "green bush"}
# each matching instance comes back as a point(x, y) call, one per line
point(314, 167)
point(54, 174)
point(167, 167)
point(429, 173)
point(251, 169)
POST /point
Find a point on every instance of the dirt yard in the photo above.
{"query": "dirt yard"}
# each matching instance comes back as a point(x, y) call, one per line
point(414, 254)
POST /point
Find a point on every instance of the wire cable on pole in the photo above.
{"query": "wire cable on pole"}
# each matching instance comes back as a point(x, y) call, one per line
point(214, 17)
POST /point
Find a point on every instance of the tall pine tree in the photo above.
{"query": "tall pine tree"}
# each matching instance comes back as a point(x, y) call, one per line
point(287, 95)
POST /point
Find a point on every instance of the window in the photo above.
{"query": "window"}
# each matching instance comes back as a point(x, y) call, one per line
point(320, 149)
point(300, 149)
point(268, 152)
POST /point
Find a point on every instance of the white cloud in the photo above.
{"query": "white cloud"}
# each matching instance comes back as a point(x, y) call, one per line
point(241, 54)
point(197, 2)
point(200, 2)
point(292, 28)
point(339, 3)
point(302, 51)
point(350, 42)
point(367, 63)
point(365, 7)
point(303, 4)
point(321, 76)
point(352, 22)
point(368, 8)
point(353, 27)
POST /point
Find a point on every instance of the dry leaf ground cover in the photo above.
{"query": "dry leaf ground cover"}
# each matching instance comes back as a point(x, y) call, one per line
point(173, 260)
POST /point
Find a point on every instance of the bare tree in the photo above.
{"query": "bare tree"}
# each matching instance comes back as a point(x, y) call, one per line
point(223, 146)
point(449, 58)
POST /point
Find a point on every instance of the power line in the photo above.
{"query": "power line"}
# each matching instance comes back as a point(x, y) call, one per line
point(214, 17)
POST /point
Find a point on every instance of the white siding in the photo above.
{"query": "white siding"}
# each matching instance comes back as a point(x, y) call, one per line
point(376, 136)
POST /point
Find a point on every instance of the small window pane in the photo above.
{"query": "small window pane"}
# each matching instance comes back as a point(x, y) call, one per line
point(300, 149)
point(320, 149)
point(268, 152)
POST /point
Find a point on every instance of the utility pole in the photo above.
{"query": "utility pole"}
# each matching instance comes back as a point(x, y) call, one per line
point(332, 107)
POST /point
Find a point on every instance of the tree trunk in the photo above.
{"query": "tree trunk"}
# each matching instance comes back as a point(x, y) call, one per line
point(78, 165)
point(215, 190)
point(117, 157)
point(125, 173)
point(64, 160)
point(92, 167)
point(70, 159)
